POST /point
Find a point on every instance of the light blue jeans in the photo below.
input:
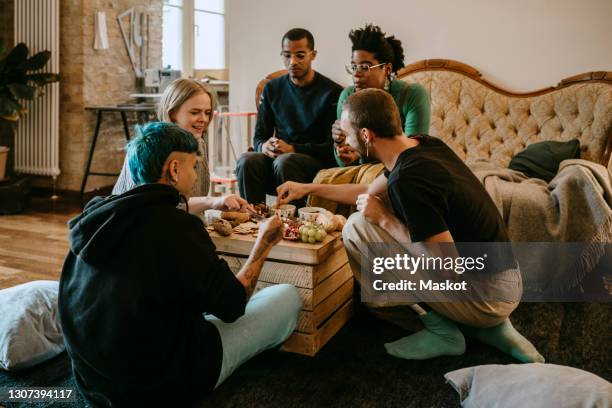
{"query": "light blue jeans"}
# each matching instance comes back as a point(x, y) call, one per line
point(269, 319)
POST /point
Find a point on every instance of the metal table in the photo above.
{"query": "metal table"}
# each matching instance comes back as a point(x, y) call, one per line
point(142, 111)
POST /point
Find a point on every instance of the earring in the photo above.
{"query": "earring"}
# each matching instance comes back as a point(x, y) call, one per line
point(387, 84)
point(367, 152)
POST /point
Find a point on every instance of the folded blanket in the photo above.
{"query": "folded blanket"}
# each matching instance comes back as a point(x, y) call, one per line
point(575, 207)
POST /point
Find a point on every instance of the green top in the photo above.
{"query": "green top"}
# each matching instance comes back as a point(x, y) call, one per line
point(413, 103)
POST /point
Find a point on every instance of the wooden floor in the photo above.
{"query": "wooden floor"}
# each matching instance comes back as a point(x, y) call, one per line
point(33, 244)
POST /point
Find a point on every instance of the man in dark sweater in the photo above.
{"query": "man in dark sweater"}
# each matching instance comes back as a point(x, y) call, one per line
point(139, 277)
point(435, 199)
point(293, 132)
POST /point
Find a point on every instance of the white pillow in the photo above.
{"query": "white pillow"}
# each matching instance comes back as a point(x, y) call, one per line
point(30, 330)
point(529, 385)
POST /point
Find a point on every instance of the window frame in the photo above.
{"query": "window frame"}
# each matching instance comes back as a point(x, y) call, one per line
point(188, 55)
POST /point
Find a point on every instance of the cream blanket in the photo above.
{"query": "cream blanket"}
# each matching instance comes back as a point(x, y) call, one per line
point(575, 207)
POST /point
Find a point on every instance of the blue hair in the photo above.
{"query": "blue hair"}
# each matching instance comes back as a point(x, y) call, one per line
point(148, 151)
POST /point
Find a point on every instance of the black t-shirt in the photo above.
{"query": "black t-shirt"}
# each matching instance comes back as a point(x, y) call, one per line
point(300, 115)
point(432, 191)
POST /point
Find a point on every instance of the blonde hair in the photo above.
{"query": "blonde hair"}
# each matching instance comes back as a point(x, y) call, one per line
point(180, 91)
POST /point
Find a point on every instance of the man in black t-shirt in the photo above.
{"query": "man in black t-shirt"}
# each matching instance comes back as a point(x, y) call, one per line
point(435, 200)
point(293, 132)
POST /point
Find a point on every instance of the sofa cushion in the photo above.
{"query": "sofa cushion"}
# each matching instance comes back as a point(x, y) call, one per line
point(30, 330)
point(529, 385)
point(541, 160)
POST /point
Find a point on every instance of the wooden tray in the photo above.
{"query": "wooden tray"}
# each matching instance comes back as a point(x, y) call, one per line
point(288, 251)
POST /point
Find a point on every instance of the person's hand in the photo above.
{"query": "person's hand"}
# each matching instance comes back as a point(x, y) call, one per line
point(282, 147)
point(347, 154)
point(337, 133)
point(233, 202)
point(372, 208)
point(271, 231)
point(290, 191)
point(268, 148)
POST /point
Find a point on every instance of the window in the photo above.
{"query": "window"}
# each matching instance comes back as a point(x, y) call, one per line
point(209, 34)
point(194, 34)
point(172, 47)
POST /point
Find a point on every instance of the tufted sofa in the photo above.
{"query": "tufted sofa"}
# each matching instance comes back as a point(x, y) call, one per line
point(482, 121)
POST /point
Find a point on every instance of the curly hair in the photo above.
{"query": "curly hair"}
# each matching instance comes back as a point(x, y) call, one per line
point(385, 49)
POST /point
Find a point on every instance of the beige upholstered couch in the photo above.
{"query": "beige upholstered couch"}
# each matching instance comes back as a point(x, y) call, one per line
point(482, 121)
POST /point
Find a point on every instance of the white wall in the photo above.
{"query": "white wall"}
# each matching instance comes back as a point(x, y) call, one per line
point(519, 44)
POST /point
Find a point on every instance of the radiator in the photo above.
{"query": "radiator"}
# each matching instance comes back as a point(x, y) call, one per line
point(37, 139)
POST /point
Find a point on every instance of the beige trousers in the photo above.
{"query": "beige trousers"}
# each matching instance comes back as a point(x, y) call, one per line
point(359, 231)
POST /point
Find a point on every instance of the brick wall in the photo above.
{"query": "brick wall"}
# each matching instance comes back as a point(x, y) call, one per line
point(97, 77)
point(92, 77)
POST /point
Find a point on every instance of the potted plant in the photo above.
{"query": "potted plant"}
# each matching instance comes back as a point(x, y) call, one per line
point(18, 81)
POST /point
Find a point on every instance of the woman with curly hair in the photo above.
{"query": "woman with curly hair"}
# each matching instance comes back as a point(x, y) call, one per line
point(375, 60)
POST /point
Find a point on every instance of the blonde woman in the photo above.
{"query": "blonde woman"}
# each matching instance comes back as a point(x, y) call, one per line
point(189, 104)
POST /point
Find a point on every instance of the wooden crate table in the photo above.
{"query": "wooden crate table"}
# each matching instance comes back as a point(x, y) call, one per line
point(321, 274)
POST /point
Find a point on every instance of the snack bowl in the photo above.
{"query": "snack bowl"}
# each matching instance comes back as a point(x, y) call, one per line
point(285, 210)
point(310, 214)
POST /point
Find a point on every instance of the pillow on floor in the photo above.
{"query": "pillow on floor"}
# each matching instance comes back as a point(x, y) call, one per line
point(30, 330)
point(541, 160)
point(529, 385)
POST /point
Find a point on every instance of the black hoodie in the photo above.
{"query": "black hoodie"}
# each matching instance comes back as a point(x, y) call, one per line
point(139, 275)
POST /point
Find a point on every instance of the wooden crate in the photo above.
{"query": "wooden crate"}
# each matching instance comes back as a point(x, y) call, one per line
point(310, 344)
point(300, 275)
point(313, 297)
point(321, 274)
point(310, 321)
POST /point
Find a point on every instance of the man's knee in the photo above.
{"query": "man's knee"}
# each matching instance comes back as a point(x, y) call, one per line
point(285, 162)
point(290, 298)
point(250, 160)
point(355, 224)
point(287, 304)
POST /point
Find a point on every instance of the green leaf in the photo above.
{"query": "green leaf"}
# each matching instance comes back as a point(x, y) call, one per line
point(43, 78)
point(21, 91)
point(9, 105)
point(18, 55)
point(12, 118)
point(37, 61)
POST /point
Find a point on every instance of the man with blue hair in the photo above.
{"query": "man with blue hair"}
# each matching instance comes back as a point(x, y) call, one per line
point(150, 313)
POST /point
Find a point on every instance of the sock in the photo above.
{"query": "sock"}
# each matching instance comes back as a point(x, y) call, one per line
point(440, 337)
point(506, 338)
